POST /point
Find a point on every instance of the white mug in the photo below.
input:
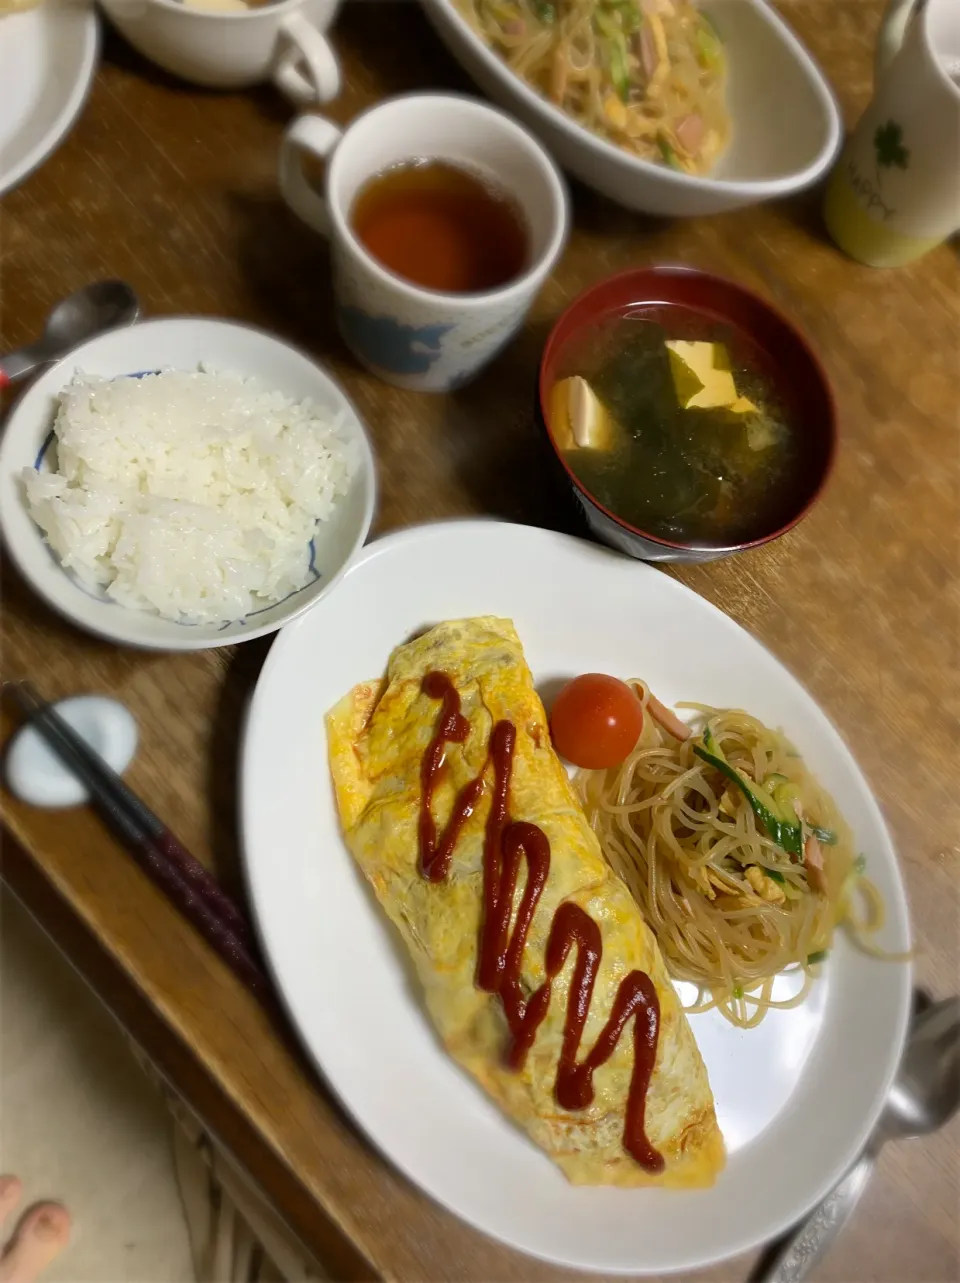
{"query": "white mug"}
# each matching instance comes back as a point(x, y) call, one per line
point(895, 192)
point(231, 48)
point(410, 336)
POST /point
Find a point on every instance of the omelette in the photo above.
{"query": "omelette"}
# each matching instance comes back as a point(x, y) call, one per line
point(538, 970)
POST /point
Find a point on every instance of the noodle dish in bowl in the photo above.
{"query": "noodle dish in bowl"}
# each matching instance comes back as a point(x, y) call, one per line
point(649, 77)
point(671, 107)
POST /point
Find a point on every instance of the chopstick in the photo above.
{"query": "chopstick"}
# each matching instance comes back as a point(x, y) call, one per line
point(197, 895)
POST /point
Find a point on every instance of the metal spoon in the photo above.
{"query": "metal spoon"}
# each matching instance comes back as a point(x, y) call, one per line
point(102, 305)
point(925, 1095)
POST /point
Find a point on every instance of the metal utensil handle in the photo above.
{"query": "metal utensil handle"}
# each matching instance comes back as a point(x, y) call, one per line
point(812, 1238)
point(17, 365)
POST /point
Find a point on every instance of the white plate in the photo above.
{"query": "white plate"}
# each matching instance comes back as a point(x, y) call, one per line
point(47, 59)
point(796, 1097)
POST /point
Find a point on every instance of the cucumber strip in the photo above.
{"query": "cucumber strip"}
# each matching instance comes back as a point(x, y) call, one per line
point(789, 837)
point(827, 836)
point(668, 154)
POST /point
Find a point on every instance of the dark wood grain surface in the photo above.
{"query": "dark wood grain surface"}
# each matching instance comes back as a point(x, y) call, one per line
point(174, 189)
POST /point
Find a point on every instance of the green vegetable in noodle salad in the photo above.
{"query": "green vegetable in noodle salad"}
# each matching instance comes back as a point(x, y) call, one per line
point(545, 12)
point(789, 890)
point(618, 67)
point(788, 834)
point(784, 793)
point(787, 797)
point(625, 15)
point(615, 44)
point(629, 15)
point(708, 44)
point(826, 836)
point(667, 152)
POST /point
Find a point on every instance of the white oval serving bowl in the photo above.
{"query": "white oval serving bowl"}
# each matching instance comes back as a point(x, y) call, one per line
point(786, 124)
point(177, 343)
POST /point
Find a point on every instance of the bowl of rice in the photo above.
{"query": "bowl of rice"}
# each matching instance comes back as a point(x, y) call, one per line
point(184, 483)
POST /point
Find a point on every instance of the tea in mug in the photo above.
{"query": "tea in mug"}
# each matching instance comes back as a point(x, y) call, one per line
point(442, 227)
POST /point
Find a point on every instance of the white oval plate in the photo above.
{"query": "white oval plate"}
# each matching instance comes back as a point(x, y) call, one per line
point(796, 1097)
point(47, 59)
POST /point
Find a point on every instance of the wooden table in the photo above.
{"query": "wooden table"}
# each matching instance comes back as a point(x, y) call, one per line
point(174, 189)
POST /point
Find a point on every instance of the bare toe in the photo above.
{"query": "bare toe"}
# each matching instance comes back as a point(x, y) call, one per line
point(42, 1234)
point(11, 1191)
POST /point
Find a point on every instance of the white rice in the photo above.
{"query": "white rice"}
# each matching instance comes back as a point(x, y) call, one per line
point(191, 495)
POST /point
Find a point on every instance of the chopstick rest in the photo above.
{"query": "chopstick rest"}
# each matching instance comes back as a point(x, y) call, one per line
point(182, 878)
point(34, 772)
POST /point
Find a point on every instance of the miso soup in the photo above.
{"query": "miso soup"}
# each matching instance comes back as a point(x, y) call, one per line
point(705, 476)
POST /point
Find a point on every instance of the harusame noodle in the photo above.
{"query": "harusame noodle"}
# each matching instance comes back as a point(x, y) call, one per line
point(648, 75)
point(730, 906)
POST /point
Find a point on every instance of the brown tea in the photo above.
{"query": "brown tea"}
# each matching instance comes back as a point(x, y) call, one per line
point(441, 227)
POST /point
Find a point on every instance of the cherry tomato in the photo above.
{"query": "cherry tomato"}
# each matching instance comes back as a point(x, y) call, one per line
point(596, 721)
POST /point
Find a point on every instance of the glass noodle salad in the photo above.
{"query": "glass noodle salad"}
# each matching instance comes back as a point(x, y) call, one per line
point(647, 75)
point(740, 860)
